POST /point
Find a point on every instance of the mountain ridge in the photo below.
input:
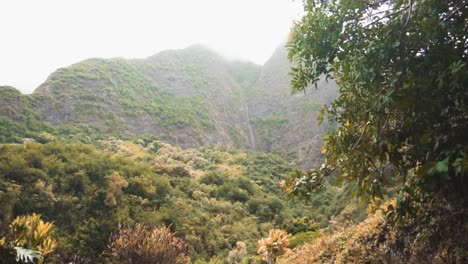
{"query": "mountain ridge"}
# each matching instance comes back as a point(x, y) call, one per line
point(190, 98)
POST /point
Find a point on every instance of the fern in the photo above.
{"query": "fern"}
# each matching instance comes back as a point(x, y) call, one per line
point(27, 255)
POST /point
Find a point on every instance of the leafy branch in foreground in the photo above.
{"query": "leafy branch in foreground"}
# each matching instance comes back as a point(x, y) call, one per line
point(401, 68)
point(402, 71)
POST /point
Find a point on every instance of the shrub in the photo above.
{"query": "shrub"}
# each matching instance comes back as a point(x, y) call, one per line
point(236, 255)
point(302, 238)
point(30, 237)
point(69, 256)
point(275, 245)
point(302, 224)
point(144, 244)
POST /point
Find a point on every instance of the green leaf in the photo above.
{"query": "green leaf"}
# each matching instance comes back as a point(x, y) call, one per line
point(442, 166)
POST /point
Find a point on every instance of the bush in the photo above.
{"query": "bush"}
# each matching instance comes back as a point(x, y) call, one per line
point(302, 238)
point(144, 244)
point(30, 237)
point(275, 245)
point(298, 225)
point(236, 255)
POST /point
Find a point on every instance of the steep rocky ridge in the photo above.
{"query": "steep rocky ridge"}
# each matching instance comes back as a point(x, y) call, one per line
point(285, 121)
point(189, 98)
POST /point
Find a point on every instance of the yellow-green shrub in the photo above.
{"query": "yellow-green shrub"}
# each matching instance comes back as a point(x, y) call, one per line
point(30, 234)
point(144, 244)
point(275, 245)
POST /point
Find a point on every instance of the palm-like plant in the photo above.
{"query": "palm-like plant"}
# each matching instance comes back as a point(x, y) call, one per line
point(275, 245)
point(145, 244)
point(30, 237)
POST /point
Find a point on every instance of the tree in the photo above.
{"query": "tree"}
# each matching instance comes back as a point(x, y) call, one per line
point(402, 71)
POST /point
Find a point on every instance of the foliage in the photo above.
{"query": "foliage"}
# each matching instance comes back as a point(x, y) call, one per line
point(402, 71)
point(33, 233)
point(275, 245)
point(363, 243)
point(302, 238)
point(237, 254)
point(302, 224)
point(272, 122)
point(401, 68)
point(271, 129)
point(217, 196)
point(146, 244)
point(374, 240)
point(30, 237)
point(68, 256)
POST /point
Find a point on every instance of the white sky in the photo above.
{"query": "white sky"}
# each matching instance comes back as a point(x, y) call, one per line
point(37, 37)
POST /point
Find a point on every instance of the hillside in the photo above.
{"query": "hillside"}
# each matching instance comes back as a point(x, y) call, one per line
point(288, 122)
point(212, 197)
point(188, 157)
point(184, 139)
point(189, 98)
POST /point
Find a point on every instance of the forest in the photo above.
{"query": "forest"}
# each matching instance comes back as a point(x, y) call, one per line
point(186, 157)
point(213, 198)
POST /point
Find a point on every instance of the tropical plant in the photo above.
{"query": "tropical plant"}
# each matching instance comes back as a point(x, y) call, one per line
point(30, 237)
point(146, 244)
point(275, 245)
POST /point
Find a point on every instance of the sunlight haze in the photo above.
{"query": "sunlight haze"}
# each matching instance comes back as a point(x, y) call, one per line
point(40, 36)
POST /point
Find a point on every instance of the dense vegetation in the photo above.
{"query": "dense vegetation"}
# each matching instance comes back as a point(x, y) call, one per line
point(87, 174)
point(57, 159)
point(212, 198)
point(402, 71)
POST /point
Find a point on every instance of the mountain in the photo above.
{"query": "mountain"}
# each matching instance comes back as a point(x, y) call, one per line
point(178, 139)
point(288, 122)
point(189, 98)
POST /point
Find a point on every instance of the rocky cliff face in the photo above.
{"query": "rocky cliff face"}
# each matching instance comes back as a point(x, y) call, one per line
point(189, 98)
point(286, 121)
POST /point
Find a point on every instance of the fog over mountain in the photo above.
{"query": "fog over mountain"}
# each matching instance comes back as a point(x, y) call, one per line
point(190, 98)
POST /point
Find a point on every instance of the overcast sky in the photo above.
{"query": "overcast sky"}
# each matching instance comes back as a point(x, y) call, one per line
point(37, 37)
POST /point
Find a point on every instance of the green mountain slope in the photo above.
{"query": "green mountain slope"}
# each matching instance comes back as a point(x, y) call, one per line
point(157, 140)
point(189, 98)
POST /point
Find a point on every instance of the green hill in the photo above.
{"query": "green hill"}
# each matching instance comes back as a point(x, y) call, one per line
point(189, 98)
point(184, 139)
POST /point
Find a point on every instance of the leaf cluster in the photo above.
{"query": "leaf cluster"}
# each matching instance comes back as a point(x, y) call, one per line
point(146, 244)
point(402, 71)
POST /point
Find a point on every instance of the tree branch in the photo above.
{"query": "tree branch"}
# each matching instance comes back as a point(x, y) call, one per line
point(360, 137)
point(454, 11)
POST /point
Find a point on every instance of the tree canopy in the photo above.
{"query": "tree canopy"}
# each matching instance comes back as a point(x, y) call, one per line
point(402, 110)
